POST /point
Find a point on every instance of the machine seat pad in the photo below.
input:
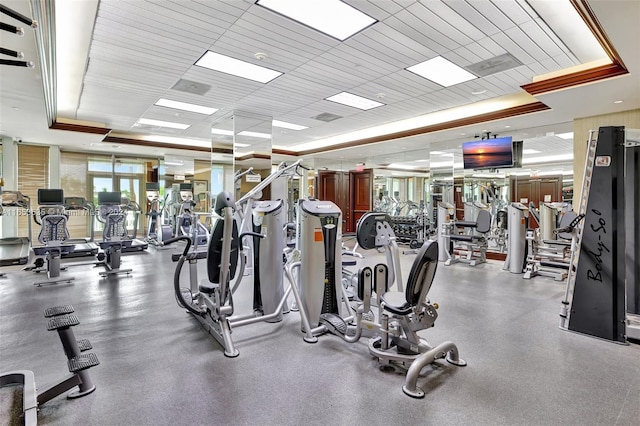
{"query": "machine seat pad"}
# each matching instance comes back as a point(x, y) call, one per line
point(557, 242)
point(465, 224)
point(561, 265)
point(395, 302)
point(469, 238)
point(207, 288)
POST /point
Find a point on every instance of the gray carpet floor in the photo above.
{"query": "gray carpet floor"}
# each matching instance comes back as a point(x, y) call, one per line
point(158, 366)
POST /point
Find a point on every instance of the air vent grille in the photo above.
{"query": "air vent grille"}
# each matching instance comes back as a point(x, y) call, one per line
point(326, 117)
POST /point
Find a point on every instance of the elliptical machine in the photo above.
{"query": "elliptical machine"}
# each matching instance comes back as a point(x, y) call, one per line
point(157, 232)
point(212, 302)
point(187, 222)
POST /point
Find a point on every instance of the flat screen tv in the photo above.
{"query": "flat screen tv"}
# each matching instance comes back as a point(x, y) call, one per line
point(50, 197)
point(109, 198)
point(488, 153)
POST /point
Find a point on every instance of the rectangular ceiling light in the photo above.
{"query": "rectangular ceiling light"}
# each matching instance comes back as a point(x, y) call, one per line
point(255, 134)
point(332, 17)
point(568, 135)
point(530, 151)
point(285, 125)
point(158, 123)
point(215, 131)
point(401, 166)
point(240, 145)
point(355, 101)
point(228, 65)
point(185, 106)
point(441, 71)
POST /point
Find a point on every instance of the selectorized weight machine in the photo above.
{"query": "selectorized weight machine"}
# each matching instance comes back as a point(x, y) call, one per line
point(602, 297)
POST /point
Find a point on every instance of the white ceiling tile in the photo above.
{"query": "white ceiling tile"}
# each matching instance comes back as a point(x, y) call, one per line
point(513, 10)
point(482, 26)
point(492, 14)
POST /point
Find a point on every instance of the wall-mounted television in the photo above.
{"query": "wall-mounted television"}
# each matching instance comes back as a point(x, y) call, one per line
point(488, 153)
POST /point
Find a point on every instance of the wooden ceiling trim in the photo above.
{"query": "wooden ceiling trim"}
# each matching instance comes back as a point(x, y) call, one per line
point(71, 127)
point(128, 141)
point(590, 75)
point(476, 119)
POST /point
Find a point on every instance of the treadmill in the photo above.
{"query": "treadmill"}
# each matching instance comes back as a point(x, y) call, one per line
point(83, 246)
point(130, 206)
point(15, 250)
point(112, 202)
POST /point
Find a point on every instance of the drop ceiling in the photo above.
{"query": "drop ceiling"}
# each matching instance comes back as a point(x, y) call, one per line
point(139, 50)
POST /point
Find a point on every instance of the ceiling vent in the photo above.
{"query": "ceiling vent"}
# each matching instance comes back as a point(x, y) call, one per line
point(494, 65)
point(326, 117)
point(191, 87)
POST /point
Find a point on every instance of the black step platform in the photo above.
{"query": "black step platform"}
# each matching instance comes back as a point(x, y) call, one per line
point(58, 310)
point(58, 323)
point(84, 345)
point(82, 362)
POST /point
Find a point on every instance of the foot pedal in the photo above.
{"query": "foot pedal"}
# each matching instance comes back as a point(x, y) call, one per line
point(58, 310)
point(84, 345)
point(57, 323)
point(368, 316)
point(334, 323)
point(82, 362)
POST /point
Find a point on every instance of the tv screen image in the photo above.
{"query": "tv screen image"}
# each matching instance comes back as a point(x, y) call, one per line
point(488, 153)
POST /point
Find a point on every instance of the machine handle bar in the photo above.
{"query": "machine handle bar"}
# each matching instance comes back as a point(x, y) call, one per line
point(180, 238)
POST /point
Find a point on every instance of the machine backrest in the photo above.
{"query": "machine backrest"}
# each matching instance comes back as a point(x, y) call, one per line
point(483, 221)
point(54, 224)
point(368, 227)
point(422, 273)
point(214, 253)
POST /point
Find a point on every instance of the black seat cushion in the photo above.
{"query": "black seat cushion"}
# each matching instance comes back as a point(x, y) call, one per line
point(420, 279)
point(396, 302)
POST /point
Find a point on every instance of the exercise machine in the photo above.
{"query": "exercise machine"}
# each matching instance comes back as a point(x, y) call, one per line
point(211, 302)
point(53, 235)
point(114, 234)
point(517, 223)
point(602, 297)
point(15, 250)
point(401, 315)
point(187, 222)
point(82, 246)
point(550, 257)
point(61, 319)
point(473, 243)
point(134, 244)
point(157, 230)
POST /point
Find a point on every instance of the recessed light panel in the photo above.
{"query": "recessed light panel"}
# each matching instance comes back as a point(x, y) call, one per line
point(568, 135)
point(228, 65)
point(530, 151)
point(158, 123)
point(332, 17)
point(355, 101)
point(185, 106)
point(285, 125)
point(255, 134)
point(215, 131)
point(441, 71)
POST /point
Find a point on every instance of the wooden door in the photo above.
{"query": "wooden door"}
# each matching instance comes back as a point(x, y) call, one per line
point(458, 200)
point(334, 186)
point(360, 195)
point(551, 189)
